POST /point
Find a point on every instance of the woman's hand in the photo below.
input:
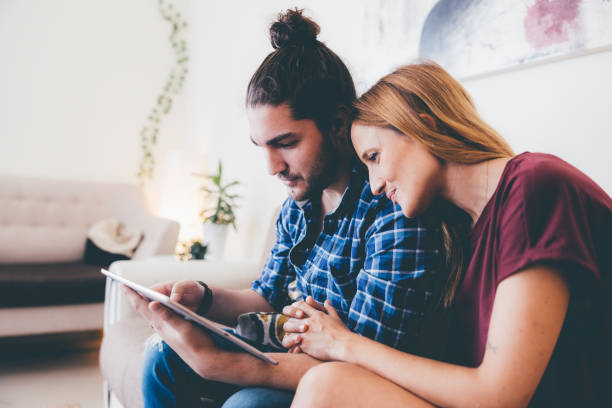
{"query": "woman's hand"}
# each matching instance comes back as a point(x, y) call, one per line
point(321, 334)
point(293, 310)
point(298, 327)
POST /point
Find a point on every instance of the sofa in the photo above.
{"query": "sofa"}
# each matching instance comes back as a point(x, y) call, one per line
point(125, 332)
point(45, 286)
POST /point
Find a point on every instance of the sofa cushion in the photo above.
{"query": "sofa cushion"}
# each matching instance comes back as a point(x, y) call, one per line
point(46, 221)
point(50, 284)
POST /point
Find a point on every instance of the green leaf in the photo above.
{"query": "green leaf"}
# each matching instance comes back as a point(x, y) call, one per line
point(233, 183)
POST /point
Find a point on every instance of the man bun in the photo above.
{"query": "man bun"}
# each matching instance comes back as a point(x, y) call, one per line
point(302, 73)
point(292, 28)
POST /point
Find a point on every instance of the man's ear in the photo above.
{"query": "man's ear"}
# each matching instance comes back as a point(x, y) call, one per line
point(430, 122)
point(339, 129)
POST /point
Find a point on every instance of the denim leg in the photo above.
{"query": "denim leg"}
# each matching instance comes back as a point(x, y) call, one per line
point(167, 381)
point(260, 397)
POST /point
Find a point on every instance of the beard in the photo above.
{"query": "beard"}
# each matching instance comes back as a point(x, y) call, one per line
point(321, 174)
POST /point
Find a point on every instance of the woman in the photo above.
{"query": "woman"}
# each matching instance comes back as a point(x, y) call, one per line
point(532, 303)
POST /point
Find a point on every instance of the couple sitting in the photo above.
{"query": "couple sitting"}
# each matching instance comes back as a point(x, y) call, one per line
point(513, 251)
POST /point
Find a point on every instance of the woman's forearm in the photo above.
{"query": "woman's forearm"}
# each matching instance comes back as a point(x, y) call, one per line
point(440, 383)
point(526, 320)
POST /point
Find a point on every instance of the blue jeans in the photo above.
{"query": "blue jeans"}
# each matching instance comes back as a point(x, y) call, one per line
point(167, 381)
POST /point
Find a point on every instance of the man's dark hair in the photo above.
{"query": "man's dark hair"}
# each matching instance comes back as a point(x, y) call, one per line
point(302, 72)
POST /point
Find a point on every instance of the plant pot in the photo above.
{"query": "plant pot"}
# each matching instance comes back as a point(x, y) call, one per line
point(214, 235)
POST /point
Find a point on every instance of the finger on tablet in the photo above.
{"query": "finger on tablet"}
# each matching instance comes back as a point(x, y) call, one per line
point(164, 288)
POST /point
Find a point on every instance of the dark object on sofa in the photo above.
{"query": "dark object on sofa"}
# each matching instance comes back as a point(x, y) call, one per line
point(98, 257)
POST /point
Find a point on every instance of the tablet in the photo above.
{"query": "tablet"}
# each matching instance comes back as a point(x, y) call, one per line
point(181, 310)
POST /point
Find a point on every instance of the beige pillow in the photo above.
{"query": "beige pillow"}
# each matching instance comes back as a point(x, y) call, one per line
point(111, 235)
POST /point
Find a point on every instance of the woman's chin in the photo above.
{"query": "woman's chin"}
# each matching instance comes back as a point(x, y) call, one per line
point(410, 210)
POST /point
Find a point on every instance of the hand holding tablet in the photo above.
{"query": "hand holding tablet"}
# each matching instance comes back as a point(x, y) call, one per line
point(187, 314)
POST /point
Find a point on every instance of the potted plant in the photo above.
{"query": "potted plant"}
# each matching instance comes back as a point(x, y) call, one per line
point(219, 211)
point(191, 249)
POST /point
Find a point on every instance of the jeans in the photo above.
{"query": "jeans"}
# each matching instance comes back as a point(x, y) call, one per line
point(167, 381)
point(259, 397)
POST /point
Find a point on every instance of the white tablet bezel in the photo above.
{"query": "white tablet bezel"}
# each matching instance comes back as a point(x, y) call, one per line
point(189, 315)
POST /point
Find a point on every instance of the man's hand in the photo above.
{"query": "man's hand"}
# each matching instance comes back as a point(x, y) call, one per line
point(322, 334)
point(197, 349)
point(187, 292)
point(191, 343)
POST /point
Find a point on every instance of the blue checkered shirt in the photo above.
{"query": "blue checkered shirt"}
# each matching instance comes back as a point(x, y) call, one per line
point(374, 265)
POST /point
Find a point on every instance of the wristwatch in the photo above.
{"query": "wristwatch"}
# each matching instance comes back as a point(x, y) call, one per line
point(207, 300)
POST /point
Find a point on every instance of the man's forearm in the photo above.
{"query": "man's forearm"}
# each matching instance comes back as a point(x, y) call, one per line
point(198, 350)
point(228, 304)
point(245, 370)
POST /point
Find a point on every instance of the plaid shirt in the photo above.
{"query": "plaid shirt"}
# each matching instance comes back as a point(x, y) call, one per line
point(374, 265)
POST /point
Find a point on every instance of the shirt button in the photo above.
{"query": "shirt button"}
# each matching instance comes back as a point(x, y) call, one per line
point(330, 225)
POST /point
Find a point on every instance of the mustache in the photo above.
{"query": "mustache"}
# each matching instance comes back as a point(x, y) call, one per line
point(286, 176)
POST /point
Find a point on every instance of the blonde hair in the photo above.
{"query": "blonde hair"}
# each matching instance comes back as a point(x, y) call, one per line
point(460, 136)
point(399, 100)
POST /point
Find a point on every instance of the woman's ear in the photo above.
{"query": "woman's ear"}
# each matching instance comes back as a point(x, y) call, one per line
point(429, 121)
point(340, 125)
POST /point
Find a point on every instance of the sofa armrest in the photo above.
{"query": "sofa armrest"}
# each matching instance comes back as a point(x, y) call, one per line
point(160, 235)
point(226, 274)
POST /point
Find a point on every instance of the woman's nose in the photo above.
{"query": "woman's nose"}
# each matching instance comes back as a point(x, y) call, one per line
point(377, 185)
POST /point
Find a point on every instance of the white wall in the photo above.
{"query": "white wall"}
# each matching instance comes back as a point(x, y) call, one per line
point(78, 80)
point(79, 77)
point(562, 108)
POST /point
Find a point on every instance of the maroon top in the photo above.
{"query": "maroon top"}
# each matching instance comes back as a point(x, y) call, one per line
point(544, 210)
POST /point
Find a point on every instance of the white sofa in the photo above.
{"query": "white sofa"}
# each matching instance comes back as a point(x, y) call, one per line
point(43, 229)
point(125, 331)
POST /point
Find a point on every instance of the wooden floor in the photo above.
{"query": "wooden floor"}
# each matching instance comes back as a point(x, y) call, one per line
point(55, 371)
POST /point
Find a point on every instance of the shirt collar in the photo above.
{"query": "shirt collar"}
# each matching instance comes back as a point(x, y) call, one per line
point(353, 191)
point(350, 196)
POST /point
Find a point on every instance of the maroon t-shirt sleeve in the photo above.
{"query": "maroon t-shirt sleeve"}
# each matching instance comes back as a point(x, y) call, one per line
point(544, 218)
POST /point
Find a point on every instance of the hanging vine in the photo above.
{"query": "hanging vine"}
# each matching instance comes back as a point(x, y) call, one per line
point(150, 131)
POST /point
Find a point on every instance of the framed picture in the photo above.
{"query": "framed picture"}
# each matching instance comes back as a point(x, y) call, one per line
point(472, 38)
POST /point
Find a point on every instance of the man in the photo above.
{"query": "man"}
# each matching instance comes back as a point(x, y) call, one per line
point(334, 238)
